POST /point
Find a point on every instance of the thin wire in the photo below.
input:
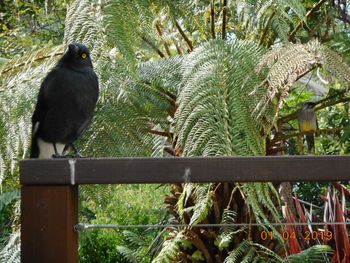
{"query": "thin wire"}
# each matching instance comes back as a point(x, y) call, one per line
point(82, 227)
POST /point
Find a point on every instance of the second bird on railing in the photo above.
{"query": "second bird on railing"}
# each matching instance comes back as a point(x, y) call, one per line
point(65, 105)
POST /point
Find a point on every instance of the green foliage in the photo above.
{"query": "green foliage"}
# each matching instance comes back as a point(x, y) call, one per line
point(203, 203)
point(171, 247)
point(214, 115)
point(123, 205)
point(227, 233)
point(26, 26)
point(8, 197)
point(99, 246)
point(317, 253)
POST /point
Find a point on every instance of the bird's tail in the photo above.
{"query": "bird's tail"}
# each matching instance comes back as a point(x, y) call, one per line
point(310, 140)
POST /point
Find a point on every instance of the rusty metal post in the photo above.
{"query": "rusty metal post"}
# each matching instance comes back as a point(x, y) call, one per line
point(48, 216)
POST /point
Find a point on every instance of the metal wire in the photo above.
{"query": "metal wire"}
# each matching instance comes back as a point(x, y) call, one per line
point(83, 227)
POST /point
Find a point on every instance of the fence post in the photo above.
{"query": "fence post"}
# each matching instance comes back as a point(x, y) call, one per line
point(48, 216)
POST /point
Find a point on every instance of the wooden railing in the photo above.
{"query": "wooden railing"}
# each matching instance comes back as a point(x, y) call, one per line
point(49, 206)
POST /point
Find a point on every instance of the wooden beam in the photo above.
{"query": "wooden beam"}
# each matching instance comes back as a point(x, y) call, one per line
point(48, 216)
point(177, 170)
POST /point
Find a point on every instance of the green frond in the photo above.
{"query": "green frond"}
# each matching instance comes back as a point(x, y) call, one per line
point(11, 252)
point(170, 249)
point(129, 254)
point(248, 252)
point(121, 30)
point(295, 6)
point(281, 27)
point(183, 198)
point(18, 90)
point(203, 199)
point(238, 252)
point(269, 16)
point(259, 198)
point(268, 252)
point(84, 23)
point(7, 197)
point(287, 64)
point(214, 113)
point(133, 238)
point(99, 194)
point(334, 64)
point(317, 253)
point(227, 233)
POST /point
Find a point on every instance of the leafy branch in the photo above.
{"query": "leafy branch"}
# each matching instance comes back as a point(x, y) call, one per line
point(309, 14)
point(327, 103)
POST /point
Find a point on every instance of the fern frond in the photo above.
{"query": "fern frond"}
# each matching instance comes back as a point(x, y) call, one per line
point(18, 90)
point(11, 252)
point(289, 63)
point(203, 197)
point(129, 254)
point(238, 252)
point(227, 233)
point(187, 192)
point(317, 253)
point(7, 197)
point(214, 107)
point(171, 247)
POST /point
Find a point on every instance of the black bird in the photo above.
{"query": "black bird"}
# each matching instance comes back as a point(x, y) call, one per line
point(65, 106)
point(307, 121)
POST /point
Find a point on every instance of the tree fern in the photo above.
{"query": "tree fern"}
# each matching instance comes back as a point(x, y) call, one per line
point(214, 102)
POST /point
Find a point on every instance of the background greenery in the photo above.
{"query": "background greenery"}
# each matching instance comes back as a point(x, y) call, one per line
point(177, 80)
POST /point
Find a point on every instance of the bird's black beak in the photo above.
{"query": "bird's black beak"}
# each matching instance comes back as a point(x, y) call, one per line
point(73, 48)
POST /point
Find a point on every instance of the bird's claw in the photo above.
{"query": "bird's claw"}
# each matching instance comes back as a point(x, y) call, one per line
point(75, 155)
point(57, 156)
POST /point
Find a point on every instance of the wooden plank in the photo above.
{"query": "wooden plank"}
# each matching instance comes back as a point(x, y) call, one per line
point(48, 215)
point(51, 171)
point(175, 170)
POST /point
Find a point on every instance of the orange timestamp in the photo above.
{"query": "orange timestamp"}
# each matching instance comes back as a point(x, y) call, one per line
point(307, 235)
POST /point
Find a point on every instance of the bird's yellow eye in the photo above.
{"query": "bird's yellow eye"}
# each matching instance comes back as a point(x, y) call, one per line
point(83, 55)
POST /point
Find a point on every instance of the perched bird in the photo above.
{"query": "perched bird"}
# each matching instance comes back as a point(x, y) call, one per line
point(65, 105)
point(307, 121)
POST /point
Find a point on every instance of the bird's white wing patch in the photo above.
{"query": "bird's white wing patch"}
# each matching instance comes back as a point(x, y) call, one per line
point(46, 149)
point(36, 127)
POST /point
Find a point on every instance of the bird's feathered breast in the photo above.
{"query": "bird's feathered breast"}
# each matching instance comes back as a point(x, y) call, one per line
point(77, 89)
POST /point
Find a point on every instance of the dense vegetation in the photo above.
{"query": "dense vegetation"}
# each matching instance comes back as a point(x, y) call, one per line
point(187, 78)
